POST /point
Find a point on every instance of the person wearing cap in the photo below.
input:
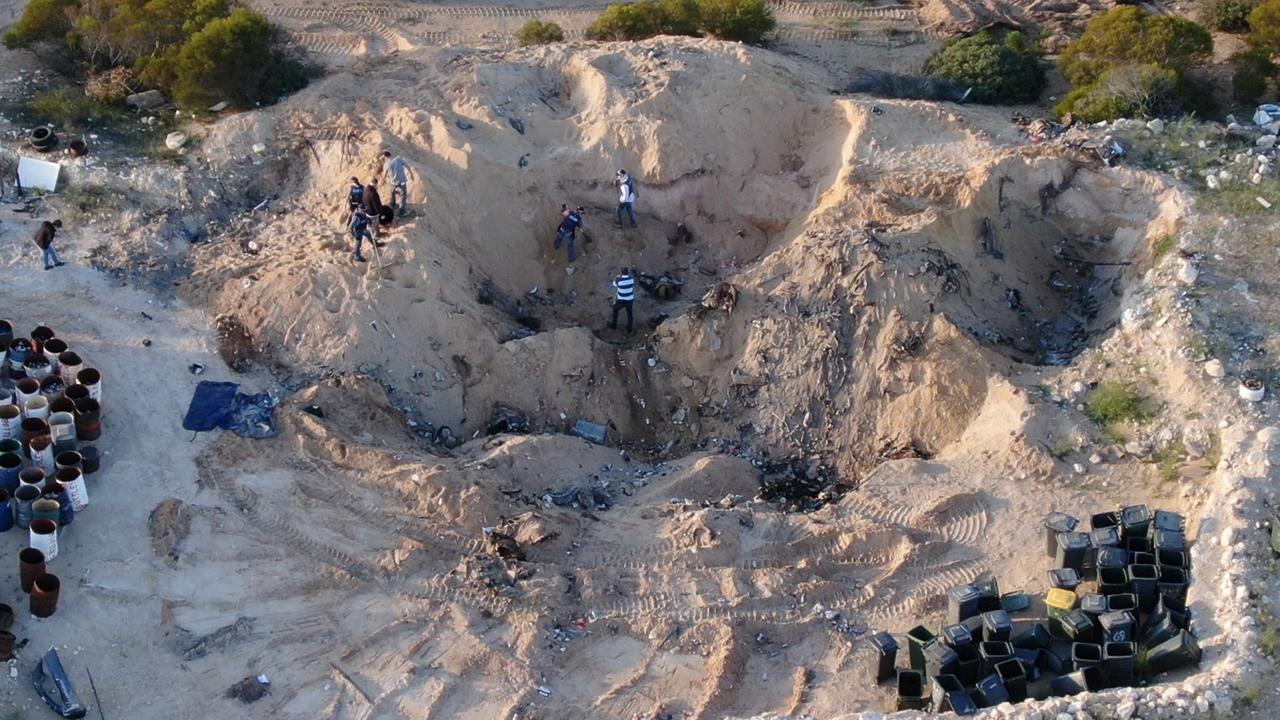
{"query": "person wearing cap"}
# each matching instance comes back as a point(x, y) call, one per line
point(626, 198)
point(398, 169)
point(44, 241)
point(568, 230)
point(624, 286)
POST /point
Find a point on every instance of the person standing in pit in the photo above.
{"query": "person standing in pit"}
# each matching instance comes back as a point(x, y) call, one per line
point(626, 198)
point(360, 230)
point(398, 169)
point(372, 205)
point(44, 241)
point(624, 286)
point(568, 230)
point(355, 197)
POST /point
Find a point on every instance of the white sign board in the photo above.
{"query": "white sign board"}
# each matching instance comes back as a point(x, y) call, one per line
point(39, 174)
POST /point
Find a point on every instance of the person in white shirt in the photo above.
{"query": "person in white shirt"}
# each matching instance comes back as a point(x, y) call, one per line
point(624, 286)
point(398, 168)
point(626, 198)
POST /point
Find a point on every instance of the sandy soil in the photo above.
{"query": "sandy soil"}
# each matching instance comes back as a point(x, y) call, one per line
point(917, 296)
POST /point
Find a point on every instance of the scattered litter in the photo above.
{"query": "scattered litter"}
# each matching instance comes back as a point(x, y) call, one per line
point(544, 691)
point(67, 703)
point(517, 124)
point(175, 140)
point(589, 431)
point(1263, 202)
point(506, 419)
point(524, 160)
point(220, 405)
point(146, 342)
point(314, 410)
point(463, 124)
point(195, 368)
point(250, 689)
point(219, 107)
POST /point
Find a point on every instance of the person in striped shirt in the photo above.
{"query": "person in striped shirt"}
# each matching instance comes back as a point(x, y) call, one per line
point(624, 286)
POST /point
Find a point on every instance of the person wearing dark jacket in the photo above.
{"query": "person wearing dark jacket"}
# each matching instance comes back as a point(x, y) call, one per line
point(359, 227)
point(44, 241)
point(373, 204)
point(568, 230)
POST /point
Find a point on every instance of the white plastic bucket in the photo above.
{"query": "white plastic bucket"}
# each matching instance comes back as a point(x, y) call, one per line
point(38, 407)
point(1252, 390)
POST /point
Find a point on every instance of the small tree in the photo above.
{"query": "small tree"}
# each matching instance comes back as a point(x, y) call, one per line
point(41, 20)
point(537, 32)
point(742, 20)
point(1129, 35)
point(679, 17)
point(632, 21)
point(1005, 71)
point(1252, 70)
point(235, 58)
point(1264, 26)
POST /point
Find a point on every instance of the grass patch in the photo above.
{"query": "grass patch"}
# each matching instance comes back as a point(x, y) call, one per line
point(68, 107)
point(1062, 447)
point(1117, 402)
point(1269, 641)
point(1169, 458)
point(84, 201)
point(1162, 248)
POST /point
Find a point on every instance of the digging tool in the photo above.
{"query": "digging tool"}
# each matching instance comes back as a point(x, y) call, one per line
point(97, 701)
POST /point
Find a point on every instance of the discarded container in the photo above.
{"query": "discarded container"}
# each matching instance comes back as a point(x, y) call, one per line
point(73, 480)
point(1176, 652)
point(976, 628)
point(1251, 390)
point(1173, 608)
point(956, 635)
point(1015, 602)
point(1135, 521)
point(1056, 659)
point(1064, 578)
point(1142, 580)
point(991, 691)
point(997, 625)
point(1072, 547)
point(1030, 659)
point(1123, 601)
point(10, 421)
point(1142, 558)
point(1171, 521)
point(589, 431)
point(1117, 626)
point(6, 510)
point(46, 508)
point(1054, 523)
point(44, 595)
point(51, 388)
point(24, 390)
point(1084, 655)
point(1111, 557)
point(968, 664)
point(43, 536)
point(1074, 683)
point(940, 659)
point(1173, 582)
point(75, 393)
point(54, 349)
point(37, 366)
point(1093, 603)
point(1137, 544)
point(962, 603)
point(1033, 637)
point(885, 657)
point(19, 351)
point(1014, 678)
point(88, 419)
point(37, 407)
point(66, 511)
point(1113, 580)
point(23, 499)
point(1118, 662)
point(911, 691)
point(960, 703)
point(40, 335)
point(30, 567)
point(988, 594)
point(1169, 540)
point(1105, 537)
point(69, 459)
point(62, 429)
point(91, 378)
point(89, 454)
point(1058, 602)
point(943, 686)
point(10, 467)
point(6, 333)
point(41, 452)
point(993, 652)
point(69, 363)
point(1099, 521)
point(919, 638)
point(66, 704)
point(1079, 627)
point(62, 405)
point(32, 476)
point(1160, 630)
point(1173, 558)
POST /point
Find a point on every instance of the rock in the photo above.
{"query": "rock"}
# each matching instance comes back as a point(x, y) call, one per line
point(1126, 709)
point(1080, 469)
point(1196, 440)
point(1187, 272)
point(145, 100)
point(259, 148)
point(1095, 459)
point(1212, 182)
point(1266, 141)
point(1156, 126)
point(219, 107)
point(1214, 369)
point(1202, 705)
point(175, 140)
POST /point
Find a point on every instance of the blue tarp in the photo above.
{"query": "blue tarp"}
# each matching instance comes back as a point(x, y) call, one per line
point(221, 405)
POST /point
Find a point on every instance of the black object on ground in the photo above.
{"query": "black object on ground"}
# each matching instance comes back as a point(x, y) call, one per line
point(67, 704)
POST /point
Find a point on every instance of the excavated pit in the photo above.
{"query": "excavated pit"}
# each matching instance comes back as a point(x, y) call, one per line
point(891, 274)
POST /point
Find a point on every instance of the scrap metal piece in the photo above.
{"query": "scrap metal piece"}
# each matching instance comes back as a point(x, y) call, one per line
point(67, 704)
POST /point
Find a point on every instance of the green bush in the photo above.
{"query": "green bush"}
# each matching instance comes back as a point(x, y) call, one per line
point(742, 20)
point(236, 58)
point(1264, 26)
point(1091, 104)
point(1129, 36)
point(632, 21)
point(1128, 91)
point(41, 20)
point(1114, 402)
point(1226, 15)
point(1005, 71)
point(537, 32)
point(1252, 69)
point(67, 107)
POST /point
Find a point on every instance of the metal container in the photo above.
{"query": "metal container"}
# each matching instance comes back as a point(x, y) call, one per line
point(43, 536)
point(44, 595)
point(69, 363)
point(77, 492)
point(88, 419)
point(10, 421)
point(23, 498)
point(30, 567)
point(91, 378)
point(62, 429)
point(10, 467)
point(6, 510)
